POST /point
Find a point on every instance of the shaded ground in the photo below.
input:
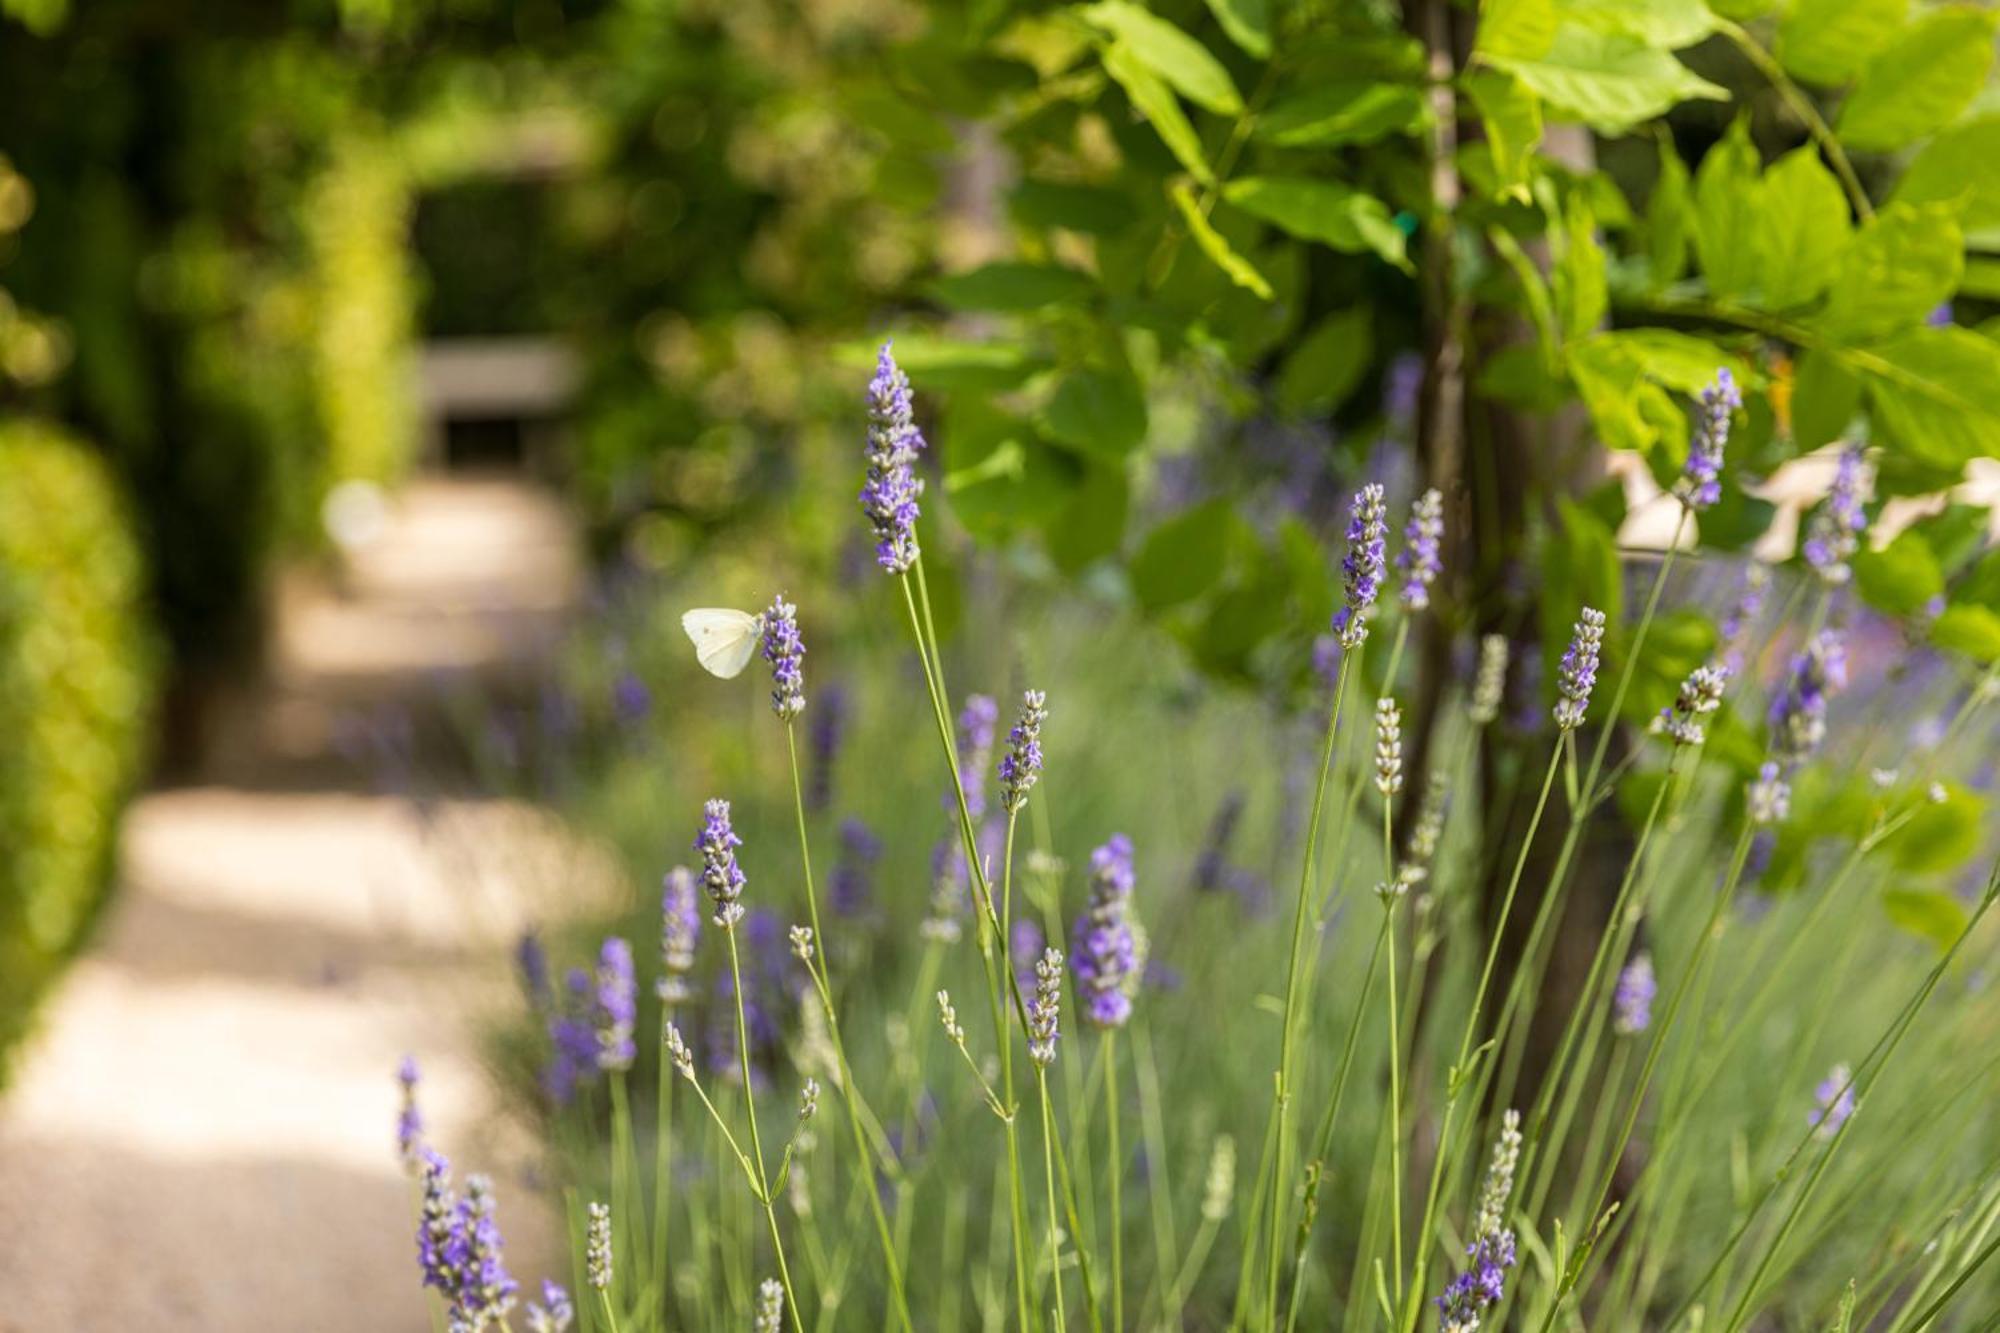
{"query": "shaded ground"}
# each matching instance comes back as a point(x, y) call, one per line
point(201, 1136)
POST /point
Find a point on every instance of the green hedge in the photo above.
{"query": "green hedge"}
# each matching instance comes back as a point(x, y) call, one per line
point(76, 689)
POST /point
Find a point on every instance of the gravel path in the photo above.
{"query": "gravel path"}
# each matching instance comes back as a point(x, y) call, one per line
point(200, 1137)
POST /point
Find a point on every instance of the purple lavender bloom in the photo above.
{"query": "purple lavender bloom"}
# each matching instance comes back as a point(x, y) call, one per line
point(1326, 658)
point(1481, 1285)
point(1022, 764)
point(1104, 946)
point(1835, 532)
point(852, 883)
point(977, 723)
point(572, 1039)
point(891, 489)
point(440, 1240)
point(720, 875)
point(1419, 561)
point(631, 701)
point(409, 1120)
point(1362, 567)
point(1798, 714)
point(1632, 998)
point(1736, 625)
point(823, 737)
point(555, 1313)
point(785, 651)
point(1940, 318)
point(487, 1290)
point(1700, 483)
point(533, 962)
point(616, 1012)
point(1835, 1098)
point(1577, 675)
point(680, 931)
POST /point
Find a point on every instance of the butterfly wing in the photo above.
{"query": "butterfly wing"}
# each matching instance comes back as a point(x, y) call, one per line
point(723, 638)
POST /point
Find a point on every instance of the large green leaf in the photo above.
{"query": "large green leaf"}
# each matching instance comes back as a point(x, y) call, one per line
point(1960, 167)
point(1324, 211)
point(1091, 525)
point(1624, 378)
point(1185, 556)
point(1825, 396)
point(1901, 577)
point(1941, 835)
point(999, 478)
point(1972, 630)
point(1728, 223)
point(1009, 285)
point(1184, 63)
point(1581, 295)
point(1929, 914)
point(1248, 23)
point(1213, 244)
point(1805, 229)
point(1343, 112)
point(1671, 24)
point(1155, 101)
point(1828, 41)
point(1921, 81)
point(1904, 262)
point(1515, 29)
point(1936, 394)
point(1608, 81)
point(1669, 218)
point(1327, 364)
point(1099, 412)
point(1098, 210)
point(1513, 120)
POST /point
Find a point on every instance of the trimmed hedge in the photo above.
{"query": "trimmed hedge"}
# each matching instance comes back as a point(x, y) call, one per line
point(76, 689)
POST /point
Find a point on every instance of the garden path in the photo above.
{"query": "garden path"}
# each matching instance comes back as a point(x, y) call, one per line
point(201, 1136)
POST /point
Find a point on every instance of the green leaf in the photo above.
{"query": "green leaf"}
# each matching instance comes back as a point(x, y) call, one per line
point(1327, 364)
point(1921, 81)
point(1728, 227)
point(1804, 229)
point(1825, 396)
point(945, 364)
point(1972, 630)
point(1185, 556)
point(1341, 113)
point(1248, 23)
point(1096, 210)
point(999, 478)
point(1900, 577)
point(1960, 167)
point(1091, 525)
point(1828, 41)
point(1155, 101)
point(1184, 63)
point(1324, 211)
point(1608, 81)
point(1513, 120)
point(1929, 914)
point(1936, 394)
point(1669, 24)
point(1581, 295)
point(1215, 246)
point(1010, 285)
point(1515, 29)
point(1903, 264)
point(1099, 412)
point(1941, 835)
point(1668, 218)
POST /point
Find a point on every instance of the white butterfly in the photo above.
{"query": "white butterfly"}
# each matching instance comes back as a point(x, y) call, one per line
point(723, 639)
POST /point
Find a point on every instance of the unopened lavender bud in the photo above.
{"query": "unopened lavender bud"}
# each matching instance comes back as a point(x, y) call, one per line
point(1700, 483)
point(678, 1053)
point(1700, 694)
point(1421, 850)
point(1770, 795)
point(785, 651)
point(720, 874)
point(808, 1100)
point(1045, 1010)
point(1489, 686)
point(802, 943)
point(1578, 673)
point(1219, 1191)
point(680, 930)
point(1362, 568)
point(1022, 764)
point(1419, 562)
point(1499, 1183)
point(1388, 746)
point(770, 1306)
point(949, 1017)
point(597, 1248)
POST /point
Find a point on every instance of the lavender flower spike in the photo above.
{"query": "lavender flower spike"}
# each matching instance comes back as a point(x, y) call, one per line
point(617, 1009)
point(1388, 746)
point(1835, 532)
point(1491, 1251)
point(1835, 1098)
point(1770, 796)
point(1700, 694)
point(409, 1120)
point(680, 930)
point(1367, 531)
point(720, 874)
point(486, 1292)
point(1700, 483)
point(1798, 714)
point(784, 651)
point(440, 1247)
point(770, 1306)
point(597, 1248)
point(1489, 686)
point(1419, 561)
point(1632, 998)
point(1022, 764)
point(1578, 672)
point(555, 1313)
point(891, 489)
point(1105, 946)
point(1045, 1010)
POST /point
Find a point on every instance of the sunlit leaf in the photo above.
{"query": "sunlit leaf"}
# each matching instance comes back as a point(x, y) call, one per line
point(1248, 23)
point(1921, 81)
point(1154, 100)
point(1608, 81)
point(1178, 59)
point(1341, 113)
point(1324, 211)
point(1009, 285)
point(1216, 246)
point(1828, 41)
point(1805, 229)
point(1097, 411)
point(1960, 167)
point(1327, 364)
point(1728, 226)
point(1903, 263)
point(1513, 120)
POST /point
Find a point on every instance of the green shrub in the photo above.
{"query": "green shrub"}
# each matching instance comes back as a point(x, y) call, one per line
point(76, 675)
